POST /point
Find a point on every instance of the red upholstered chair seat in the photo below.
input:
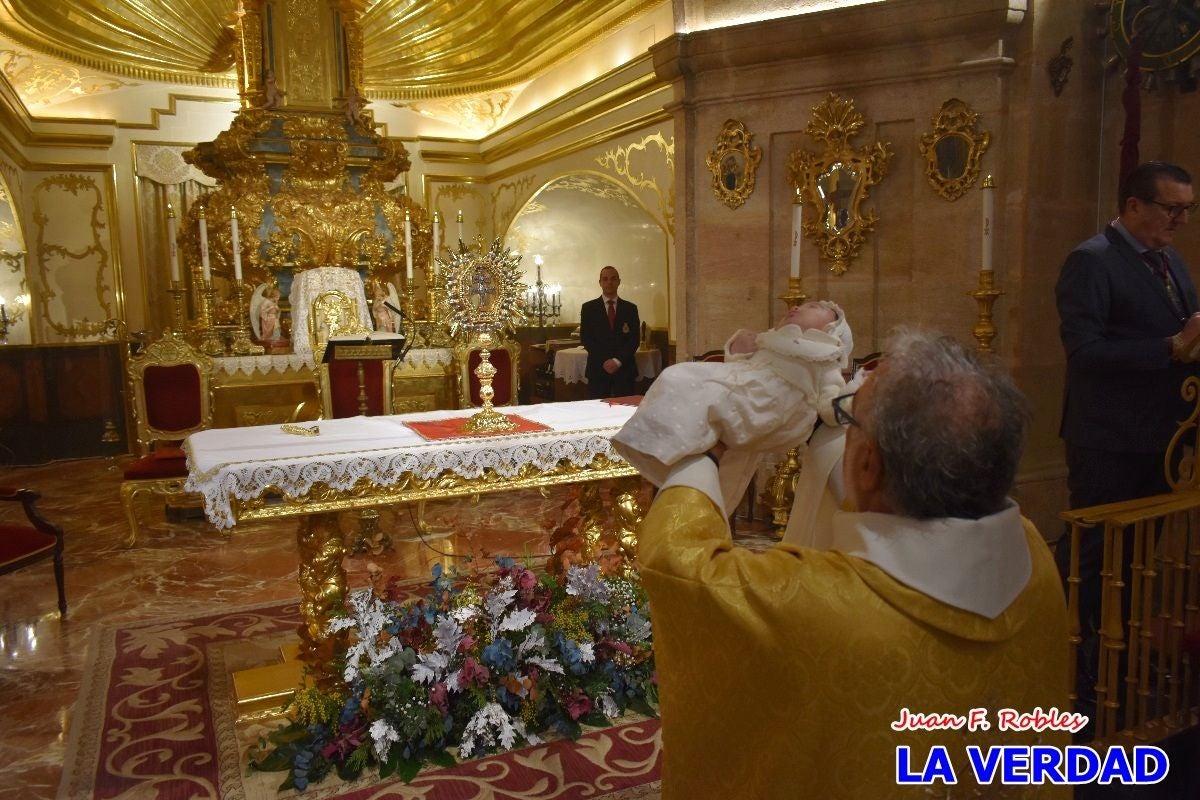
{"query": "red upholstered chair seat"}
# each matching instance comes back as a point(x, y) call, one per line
point(18, 542)
point(158, 465)
point(22, 545)
point(344, 388)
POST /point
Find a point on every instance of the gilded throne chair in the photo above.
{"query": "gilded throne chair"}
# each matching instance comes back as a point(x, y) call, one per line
point(170, 387)
point(505, 356)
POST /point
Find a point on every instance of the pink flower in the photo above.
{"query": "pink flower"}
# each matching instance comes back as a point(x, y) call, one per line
point(439, 697)
point(467, 642)
point(472, 672)
point(577, 704)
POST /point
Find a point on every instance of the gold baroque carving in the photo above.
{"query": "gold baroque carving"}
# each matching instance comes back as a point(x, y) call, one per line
point(954, 149)
point(835, 183)
point(94, 252)
point(733, 164)
point(506, 213)
point(621, 161)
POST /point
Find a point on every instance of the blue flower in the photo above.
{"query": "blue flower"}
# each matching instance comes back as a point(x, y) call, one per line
point(499, 655)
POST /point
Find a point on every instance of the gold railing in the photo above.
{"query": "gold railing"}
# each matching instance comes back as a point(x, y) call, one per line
point(1147, 653)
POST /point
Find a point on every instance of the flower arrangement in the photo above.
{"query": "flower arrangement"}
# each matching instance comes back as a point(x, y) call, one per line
point(480, 664)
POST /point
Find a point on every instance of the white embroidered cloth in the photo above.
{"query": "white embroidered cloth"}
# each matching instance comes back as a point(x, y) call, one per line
point(228, 463)
point(282, 362)
point(309, 284)
point(570, 364)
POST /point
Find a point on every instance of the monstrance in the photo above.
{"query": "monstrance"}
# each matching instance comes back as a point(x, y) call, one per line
point(484, 295)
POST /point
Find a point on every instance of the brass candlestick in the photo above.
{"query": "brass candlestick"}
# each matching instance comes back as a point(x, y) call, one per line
point(781, 490)
point(487, 420)
point(436, 291)
point(985, 296)
point(794, 295)
point(178, 311)
point(242, 344)
point(210, 340)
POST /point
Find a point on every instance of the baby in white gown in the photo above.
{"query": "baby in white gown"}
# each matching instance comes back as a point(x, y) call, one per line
point(766, 396)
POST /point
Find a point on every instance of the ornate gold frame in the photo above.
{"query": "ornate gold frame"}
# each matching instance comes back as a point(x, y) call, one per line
point(954, 149)
point(838, 231)
point(733, 164)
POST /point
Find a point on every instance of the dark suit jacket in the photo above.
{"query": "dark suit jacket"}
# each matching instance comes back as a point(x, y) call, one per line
point(1122, 391)
point(602, 343)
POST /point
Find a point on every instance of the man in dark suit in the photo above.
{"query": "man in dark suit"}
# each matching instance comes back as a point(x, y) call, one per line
point(1127, 309)
point(609, 328)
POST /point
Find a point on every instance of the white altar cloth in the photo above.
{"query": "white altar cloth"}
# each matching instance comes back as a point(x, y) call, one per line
point(282, 362)
point(241, 463)
point(570, 364)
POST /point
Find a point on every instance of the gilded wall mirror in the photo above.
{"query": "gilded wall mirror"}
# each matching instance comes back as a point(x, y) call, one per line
point(835, 183)
point(954, 149)
point(733, 164)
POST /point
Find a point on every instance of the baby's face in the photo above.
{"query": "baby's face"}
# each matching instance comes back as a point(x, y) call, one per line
point(809, 315)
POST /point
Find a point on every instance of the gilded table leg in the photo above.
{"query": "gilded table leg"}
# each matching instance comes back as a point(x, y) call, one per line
point(627, 513)
point(591, 518)
point(322, 587)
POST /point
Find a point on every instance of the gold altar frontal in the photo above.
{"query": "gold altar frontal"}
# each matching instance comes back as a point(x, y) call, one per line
point(254, 486)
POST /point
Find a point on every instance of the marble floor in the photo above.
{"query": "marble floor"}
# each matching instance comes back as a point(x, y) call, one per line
point(181, 567)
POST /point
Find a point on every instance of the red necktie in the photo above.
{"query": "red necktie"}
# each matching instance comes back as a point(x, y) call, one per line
point(612, 313)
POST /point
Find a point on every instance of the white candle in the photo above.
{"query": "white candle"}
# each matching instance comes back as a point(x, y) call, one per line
point(988, 219)
point(435, 250)
point(460, 225)
point(204, 268)
point(237, 250)
point(797, 205)
point(408, 246)
point(172, 246)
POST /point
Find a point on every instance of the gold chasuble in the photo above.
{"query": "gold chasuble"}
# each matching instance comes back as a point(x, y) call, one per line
point(781, 673)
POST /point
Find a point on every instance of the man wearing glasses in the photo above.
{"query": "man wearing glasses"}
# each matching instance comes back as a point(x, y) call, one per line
point(1127, 308)
point(787, 673)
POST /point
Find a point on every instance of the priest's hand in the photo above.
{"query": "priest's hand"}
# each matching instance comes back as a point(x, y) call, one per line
point(1185, 345)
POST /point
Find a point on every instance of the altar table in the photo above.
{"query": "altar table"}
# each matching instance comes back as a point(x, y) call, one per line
point(363, 462)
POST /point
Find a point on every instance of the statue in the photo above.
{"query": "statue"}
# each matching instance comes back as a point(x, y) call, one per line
point(384, 318)
point(272, 94)
point(264, 314)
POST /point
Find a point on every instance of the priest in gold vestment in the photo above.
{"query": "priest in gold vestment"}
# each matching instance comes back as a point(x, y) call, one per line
point(785, 673)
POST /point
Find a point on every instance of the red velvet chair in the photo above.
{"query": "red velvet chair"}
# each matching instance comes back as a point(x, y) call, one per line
point(22, 545)
point(505, 356)
point(343, 395)
point(170, 387)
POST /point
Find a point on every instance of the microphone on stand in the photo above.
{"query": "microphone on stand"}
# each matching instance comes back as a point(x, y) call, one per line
point(407, 345)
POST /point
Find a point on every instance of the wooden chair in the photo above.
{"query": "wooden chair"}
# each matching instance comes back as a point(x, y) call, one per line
point(170, 387)
point(505, 356)
point(22, 545)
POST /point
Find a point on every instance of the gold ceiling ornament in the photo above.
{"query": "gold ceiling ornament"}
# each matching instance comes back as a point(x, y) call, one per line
point(734, 163)
point(954, 149)
point(834, 184)
point(42, 81)
point(484, 295)
point(403, 49)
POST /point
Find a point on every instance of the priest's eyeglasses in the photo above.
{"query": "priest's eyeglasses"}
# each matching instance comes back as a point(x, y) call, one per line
point(1176, 210)
point(840, 414)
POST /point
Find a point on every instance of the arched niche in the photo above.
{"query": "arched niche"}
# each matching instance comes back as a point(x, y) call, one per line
point(578, 223)
point(14, 289)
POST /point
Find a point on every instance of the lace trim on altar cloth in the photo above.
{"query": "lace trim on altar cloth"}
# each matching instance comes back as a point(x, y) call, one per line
point(467, 459)
point(249, 365)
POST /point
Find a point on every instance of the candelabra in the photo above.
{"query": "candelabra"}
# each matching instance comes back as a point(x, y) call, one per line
point(210, 339)
point(436, 292)
point(7, 318)
point(178, 310)
point(545, 305)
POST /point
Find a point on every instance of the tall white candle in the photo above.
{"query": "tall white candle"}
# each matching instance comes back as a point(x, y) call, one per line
point(408, 245)
point(460, 225)
point(237, 249)
point(988, 222)
point(435, 250)
point(797, 205)
point(172, 245)
point(204, 268)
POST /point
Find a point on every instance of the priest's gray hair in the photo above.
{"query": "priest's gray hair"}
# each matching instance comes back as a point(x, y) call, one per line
point(949, 428)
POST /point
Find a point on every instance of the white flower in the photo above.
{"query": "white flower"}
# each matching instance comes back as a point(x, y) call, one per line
point(464, 613)
point(518, 620)
point(608, 706)
point(587, 652)
point(430, 667)
point(585, 582)
point(384, 736)
point(490, 725)
point(500, 599)
point(448, 633)
point(535, 641)
point(547, 664)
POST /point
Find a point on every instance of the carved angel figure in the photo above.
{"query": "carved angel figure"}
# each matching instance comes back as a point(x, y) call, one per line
point(272, 93)
point(264, 313)
point(383, 318)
